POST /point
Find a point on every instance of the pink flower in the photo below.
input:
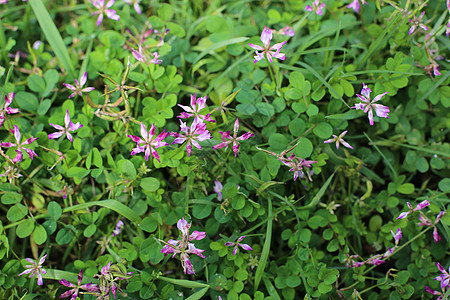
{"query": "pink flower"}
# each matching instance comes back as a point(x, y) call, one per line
point(355, 5)
point(237, 244)
point(218, 189)
point(317, 7)
point(6, 109)
point(228, 139)
point(35, 269)
point(397, 236)
point(368, 105)
point(432, 67)
point(73, 293)
point(118, 228)
point(194, 134)
point(148, 143)
point(196, 106)
point(297, 164)
point(417, 23)
point(287, 31)
point(78, 88)
point(274, 51)
point(444, 278)
point(422, 205)
point(19, 145)
point(69, 127)
point(104, 9)
point(183, 245)
point(135, 3)
point(339, 140)
point(142, 56)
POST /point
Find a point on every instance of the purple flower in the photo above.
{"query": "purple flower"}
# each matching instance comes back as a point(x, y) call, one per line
point(35, 269)
point(274, 51)
point(118, 228)
point(287, 31)
point(447, 30)
point(135, 3)
point(397, 236)
point(11, 173)
point(417, 23)
point(142, 56)
point(183, 247)
point(78, 88)
point(375, 261)
point(339, 140)
point(194, 134)
point(444, 278)
point(432, 67)
point(196, 106)
point(104, 9)
point(237, 244)
point(69, 127)
point(317, 7)
point(218, 189)
point(422, 205)
point(355, 5)
point(6, 109)
point(73, 293)
point(433, 292)
point(148, 143)
point(297, 165)
point(20, 146)
point(228, 139)
point(368, 105)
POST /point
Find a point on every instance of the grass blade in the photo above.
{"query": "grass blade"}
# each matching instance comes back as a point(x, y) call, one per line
point(386, 161)
point(270, 288)
point(111, 204)
point(319, 194)
point(219, 45)
point(266, 248)
point(52, 34)
point(198, 295)
point(184, 283)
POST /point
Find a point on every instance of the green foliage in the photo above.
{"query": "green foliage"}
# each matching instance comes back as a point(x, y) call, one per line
point(108, 197)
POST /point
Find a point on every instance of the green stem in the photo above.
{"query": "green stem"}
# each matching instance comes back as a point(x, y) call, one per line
point(270, 69)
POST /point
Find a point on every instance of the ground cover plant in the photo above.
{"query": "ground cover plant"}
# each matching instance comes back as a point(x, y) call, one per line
point(224, 149)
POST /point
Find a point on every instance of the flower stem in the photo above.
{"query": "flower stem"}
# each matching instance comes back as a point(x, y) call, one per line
point(270, 69)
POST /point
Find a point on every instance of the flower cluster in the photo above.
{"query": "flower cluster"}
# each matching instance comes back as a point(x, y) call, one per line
point(369, 105)
point(69, 127)
point(355, 5)
point(20, 145)
point(78, 88)
point(267, 50)
point(238, 244)
point(6, 109)
point(73, 293)
point(339, 140)
point(148, 143)
point(104, 9)
point(444, 278)
point(317, 7)
point(227, 139)
point(183, 245)
point(296, 165)
point(35, 269)
point(376, 259)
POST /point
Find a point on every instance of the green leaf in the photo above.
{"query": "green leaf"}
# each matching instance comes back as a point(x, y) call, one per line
point(11, 198)
point(201, 211)
point(266, 247)
point(54, 210)
point(165, 12)
point(219, 45)
point(16, 212)
point(406, 188)
point(25, 228)
point(304, 148)
point(78, 172)
point(150, 184)
point(444, 185)
point(27, 101)
point(39, 234)
point(323, 130)
point(36, 84)
point(151, 222)
point(64, 236)
point(128, 168)
point(52, 34)
point(90, 230)
point(44, 106)
point(111, 204)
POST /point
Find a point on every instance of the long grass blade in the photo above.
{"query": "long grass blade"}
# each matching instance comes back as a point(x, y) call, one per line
point(111, 204)
point(266, 248)
point(52, 34)
point(219, 45)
